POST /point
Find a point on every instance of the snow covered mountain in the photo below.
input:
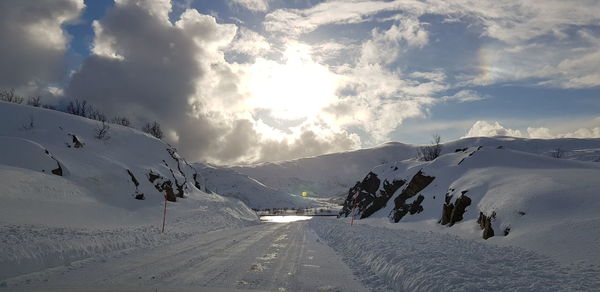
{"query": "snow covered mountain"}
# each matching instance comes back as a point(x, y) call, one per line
point(514, 197)
point(253, 193)
point(62, 184)
point(331, 175)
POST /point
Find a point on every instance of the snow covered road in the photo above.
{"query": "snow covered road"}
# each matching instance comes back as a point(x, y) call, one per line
point(270, 256)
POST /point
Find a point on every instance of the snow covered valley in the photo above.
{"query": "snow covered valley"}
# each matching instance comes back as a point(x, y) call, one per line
point(79, 212)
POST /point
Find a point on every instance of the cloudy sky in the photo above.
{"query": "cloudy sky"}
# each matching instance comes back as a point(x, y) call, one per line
point(238, 81)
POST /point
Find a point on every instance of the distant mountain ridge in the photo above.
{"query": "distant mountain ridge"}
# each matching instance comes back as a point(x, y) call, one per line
point(331, 175)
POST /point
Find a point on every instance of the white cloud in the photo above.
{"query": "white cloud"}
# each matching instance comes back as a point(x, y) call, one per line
point(33, 42)
point(385, 47)
point(250, 43)
point(539, 133)
point(485, 129)
point(464, 95)
point(207, 106)
point(253, 5)
point(524, 30)
point(296, 21)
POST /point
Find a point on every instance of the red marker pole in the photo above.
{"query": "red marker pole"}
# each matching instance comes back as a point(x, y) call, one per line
point(164, 215)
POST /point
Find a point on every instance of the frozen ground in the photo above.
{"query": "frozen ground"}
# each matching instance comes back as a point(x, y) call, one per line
point(269, 256)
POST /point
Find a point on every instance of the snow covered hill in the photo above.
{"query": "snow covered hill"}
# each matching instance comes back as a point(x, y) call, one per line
point(68, 194)
point(514, 197)
point(331, 175)
point(253, 193)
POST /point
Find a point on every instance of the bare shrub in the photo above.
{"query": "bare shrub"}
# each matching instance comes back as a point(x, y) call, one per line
point(558, 152)
point(153, 129)
point(95, 114)
point(78, 107)
point(102, 131)
point(34, 101)
point(10, 96)
point(119, 120)
point(430, 152)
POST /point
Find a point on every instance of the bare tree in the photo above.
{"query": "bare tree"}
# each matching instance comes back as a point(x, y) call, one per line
point(34, 101)
point(557, 152)
point(78, 107)
point(123, 121)
point(153, 129)
point(95, 114)
point(10, 96)
point(102, 131)
point(430, 152)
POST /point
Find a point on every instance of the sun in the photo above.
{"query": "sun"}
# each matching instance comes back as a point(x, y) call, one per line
point(294, 89)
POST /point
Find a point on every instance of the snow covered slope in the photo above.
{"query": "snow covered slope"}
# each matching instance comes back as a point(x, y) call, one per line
point(253, 193)
point(331, 175)
point(67, 194)
point(327, 175)
point(511, 196)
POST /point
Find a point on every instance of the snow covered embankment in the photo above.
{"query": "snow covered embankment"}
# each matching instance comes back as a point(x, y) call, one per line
point(69, 194)
point(428, 261)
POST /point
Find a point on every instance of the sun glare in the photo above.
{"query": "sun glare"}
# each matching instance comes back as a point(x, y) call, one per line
point(284, 219)
point(297, 88)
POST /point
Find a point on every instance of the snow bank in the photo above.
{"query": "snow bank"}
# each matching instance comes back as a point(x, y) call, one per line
point(68, 195)
point(430, 261)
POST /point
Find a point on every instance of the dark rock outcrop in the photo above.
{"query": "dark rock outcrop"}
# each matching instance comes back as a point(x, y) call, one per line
point(384, 196)
point(446, 213)
point(162, 185)
point(138, 195)
point(58, 171)
point(459, 209)
point(453, 212)
point(133, 179)
point(153, 176)
point(416, 184)
point(485, 223)
point(75, 142)
point(367, 197)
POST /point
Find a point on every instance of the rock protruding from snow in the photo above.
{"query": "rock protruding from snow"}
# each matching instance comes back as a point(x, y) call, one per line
point(453, 212)
point(401, 207)
point(485, 222)
point(369, 196)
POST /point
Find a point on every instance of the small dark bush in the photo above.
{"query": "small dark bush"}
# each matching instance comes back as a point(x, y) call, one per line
point(153, 129)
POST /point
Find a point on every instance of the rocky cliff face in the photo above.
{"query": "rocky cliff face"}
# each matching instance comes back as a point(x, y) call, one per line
point(369, 196)
point(410, 188)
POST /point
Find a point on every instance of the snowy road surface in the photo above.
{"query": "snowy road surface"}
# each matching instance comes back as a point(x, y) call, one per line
point(270, 256)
